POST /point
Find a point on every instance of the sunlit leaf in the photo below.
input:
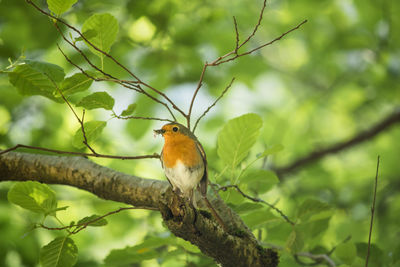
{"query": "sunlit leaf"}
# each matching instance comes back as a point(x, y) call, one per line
point(237, 138)
point(258, 180)
point(295, 241)
point(33, 196)
point(271, 150)
point(259, 218)
point(88, 34)
point(29, 81)
point(106, 28)
point(144, 251)
point(346, 252)
point(60, 6)
point(97, 100)
point(312, 207)
point(75, 83)
point(129, 110)
point(247, 207)
point(61, 252)
point(100, 222)
point(377, 256)
point(93, 130)
point(55, 72)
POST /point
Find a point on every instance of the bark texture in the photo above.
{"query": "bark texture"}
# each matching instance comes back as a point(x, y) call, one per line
point(237, 247)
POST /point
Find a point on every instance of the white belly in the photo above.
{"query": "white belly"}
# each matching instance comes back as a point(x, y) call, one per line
point(183, 178)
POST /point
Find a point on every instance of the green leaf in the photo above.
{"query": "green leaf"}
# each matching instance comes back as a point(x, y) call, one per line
point(270, 151)
point(247, 207)
point(145, 251)
point(74, 84)
point(186, 245)
point(87, 219)
point(88, 34)
point(129, 110)
point(29, 81)
point(58, 209)
point(259, 181)
point(312, 229)
point(312, 209)
point(259, 218)
point(346, 252)
point(295, 242)
point(33, 196)
point(61, 252)
point(237, 138)
point(376, 256)
point(55, 72)
point(93, 130)
point(97, 100)
point(60, 6)
point(106, 28)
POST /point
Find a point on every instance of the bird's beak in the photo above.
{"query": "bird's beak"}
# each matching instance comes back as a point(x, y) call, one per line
point(159, 131)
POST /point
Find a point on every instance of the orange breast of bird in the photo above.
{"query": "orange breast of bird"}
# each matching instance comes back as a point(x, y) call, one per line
point(180, 147)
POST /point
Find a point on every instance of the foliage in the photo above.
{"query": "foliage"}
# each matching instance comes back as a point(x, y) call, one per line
point(320, 85)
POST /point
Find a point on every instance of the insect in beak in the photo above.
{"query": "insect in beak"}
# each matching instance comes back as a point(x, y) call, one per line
point(160, 131)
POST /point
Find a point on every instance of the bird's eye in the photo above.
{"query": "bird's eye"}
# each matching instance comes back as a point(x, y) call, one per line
point(175, 129)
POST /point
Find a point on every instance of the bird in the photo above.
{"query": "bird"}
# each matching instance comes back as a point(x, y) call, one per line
point(184, 161)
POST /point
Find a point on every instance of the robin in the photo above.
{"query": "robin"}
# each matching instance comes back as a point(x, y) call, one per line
point(183, 160)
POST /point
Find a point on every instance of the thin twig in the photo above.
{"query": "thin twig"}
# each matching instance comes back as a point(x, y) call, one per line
point(234, 54)
point(372, 212)
point(106, 54)
point(199, 84)
point(392, 119)
point(140, 118)
point(237, 34)
point(254, 199)
point(85, 141)
point(220, 61)
point(257, 25)
point(126, 84)
point(318, 258)
point(154, 156)
point(213, 104)
point(81, 226)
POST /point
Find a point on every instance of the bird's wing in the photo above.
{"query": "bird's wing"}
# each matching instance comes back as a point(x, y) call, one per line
point(161, 160)
point(204, 179)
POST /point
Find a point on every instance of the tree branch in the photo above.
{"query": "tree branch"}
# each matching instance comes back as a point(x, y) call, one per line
point(392, 119)
point(372, 212)
point(62, 152)
point(236, 248)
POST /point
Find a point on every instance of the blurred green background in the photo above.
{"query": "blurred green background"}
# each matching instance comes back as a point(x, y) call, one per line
point(335, 76)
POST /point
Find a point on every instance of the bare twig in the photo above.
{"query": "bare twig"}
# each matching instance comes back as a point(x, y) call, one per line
point(372, 212)
point(140, 118)
point(257, 25)
point(318, 258)
point(392, 119)
point(138, 81)
point(199, 84)
point(85, 141)
point(81, 226)
point(237, 34)
point(254, 199)
point(126, 84)
point(259, 47)
point(213, 104)
point(234, 54)
point(83, 37)
point(154, 156)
